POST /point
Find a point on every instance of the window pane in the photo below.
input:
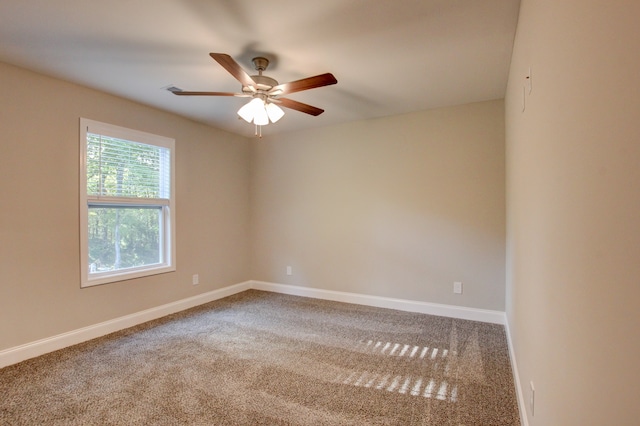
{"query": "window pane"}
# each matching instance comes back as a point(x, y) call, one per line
point(124, 237)
point(121, 168)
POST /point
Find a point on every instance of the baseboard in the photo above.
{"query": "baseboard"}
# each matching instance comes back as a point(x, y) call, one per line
point(50, 344)
point(461, 312)
point(522, 407)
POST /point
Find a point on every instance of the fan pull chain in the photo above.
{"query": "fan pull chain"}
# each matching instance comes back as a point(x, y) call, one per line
point(259, 131)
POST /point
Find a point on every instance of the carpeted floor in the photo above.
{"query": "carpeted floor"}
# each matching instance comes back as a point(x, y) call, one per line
point(259, 358)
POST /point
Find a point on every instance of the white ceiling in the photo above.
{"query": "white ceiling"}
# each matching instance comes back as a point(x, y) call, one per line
point(390, 57)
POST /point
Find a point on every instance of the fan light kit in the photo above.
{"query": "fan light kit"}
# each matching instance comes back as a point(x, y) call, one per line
point(265, 92)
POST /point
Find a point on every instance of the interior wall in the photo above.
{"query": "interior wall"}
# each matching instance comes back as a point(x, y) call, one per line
point(573, 228)
point(398, 207)
point(40, 293)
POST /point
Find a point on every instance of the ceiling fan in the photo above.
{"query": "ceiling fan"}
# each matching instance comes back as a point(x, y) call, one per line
point(265, 91)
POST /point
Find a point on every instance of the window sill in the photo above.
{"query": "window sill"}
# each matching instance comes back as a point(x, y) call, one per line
point(106, 278)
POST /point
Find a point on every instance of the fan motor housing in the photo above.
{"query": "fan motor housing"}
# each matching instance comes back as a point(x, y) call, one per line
point(262, 83)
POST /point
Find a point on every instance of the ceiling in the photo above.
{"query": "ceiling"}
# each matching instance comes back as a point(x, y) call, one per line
point(389, 57)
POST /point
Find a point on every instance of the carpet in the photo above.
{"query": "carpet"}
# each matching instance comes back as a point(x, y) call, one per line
point(260, 358)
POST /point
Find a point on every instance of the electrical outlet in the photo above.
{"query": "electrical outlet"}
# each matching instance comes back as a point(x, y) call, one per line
point(289, 270)
point(532, 398)
point(195, 280)
point(457, 287)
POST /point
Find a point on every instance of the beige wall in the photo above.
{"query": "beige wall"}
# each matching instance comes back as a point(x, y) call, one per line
point(573, 203)
point(398, 207)
point(40, 293)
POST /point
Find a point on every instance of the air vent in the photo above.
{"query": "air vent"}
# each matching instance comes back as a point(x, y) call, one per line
point(172, 88)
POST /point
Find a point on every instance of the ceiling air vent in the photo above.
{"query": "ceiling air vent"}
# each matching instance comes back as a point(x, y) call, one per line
point(172, 88)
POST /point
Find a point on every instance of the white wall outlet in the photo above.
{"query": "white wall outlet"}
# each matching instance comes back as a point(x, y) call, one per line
point(532, 398)
point(195, 280)
point(457, 287)
point(289, 270)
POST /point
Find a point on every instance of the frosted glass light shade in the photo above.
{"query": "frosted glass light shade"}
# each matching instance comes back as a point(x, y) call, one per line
point(274, 112)
point(249, 111)
point(260, 118)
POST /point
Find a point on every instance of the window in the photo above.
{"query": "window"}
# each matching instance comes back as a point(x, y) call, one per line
point(126, 203)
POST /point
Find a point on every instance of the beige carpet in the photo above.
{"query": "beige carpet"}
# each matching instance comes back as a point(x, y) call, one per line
point(261, 358)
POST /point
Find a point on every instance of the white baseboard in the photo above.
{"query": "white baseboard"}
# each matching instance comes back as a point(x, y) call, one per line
point(50, 344)
point(461, 312)
point(524, 421)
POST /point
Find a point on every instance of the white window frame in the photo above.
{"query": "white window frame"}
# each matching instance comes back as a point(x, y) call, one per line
point(167, 240)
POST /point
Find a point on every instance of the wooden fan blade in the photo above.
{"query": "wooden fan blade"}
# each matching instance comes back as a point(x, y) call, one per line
point(304, 84)
point(185, 93)
point(233, 68)
point(299, 106)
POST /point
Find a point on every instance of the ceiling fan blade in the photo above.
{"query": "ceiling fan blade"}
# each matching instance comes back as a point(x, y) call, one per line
point(304, 84)
point(299, 106)
point(233, 68)
point(185, 93)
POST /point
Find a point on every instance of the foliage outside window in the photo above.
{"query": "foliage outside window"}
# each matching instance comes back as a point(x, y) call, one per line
point(127, 203)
